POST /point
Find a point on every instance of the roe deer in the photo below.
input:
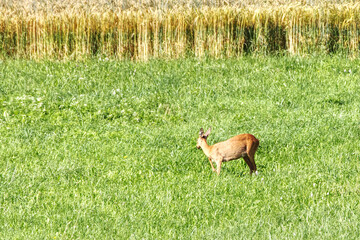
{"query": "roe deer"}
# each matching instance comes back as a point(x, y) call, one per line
point(243, 145)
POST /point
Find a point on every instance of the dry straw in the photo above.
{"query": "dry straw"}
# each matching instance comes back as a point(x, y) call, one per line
point(142, 30)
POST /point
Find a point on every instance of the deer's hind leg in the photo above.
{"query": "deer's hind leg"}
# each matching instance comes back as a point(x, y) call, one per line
point(249, 163)
point(251, 149)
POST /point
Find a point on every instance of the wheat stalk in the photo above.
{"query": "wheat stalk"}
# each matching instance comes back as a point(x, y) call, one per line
point(80, 29)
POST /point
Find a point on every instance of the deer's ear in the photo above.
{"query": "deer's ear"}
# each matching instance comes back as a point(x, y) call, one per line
point(201, 131)
point(207, 133)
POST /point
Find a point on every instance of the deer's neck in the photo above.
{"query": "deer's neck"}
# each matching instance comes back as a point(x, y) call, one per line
point(206, 148)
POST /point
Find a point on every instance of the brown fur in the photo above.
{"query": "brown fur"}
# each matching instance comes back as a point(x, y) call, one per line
point(241, 146)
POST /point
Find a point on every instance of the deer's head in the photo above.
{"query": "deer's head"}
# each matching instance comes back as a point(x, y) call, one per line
point(202, 137)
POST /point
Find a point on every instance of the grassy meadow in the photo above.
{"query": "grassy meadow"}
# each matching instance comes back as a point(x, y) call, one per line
point(102, 149)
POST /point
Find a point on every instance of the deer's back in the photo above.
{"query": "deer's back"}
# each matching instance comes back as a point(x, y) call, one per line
point(234, 147)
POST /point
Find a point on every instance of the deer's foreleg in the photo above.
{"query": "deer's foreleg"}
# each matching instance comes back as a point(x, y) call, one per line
point(212, 166)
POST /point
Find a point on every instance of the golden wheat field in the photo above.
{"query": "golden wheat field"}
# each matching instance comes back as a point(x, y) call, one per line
point(142, 30)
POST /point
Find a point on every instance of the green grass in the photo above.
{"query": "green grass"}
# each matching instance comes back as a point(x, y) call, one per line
point(106, 150)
